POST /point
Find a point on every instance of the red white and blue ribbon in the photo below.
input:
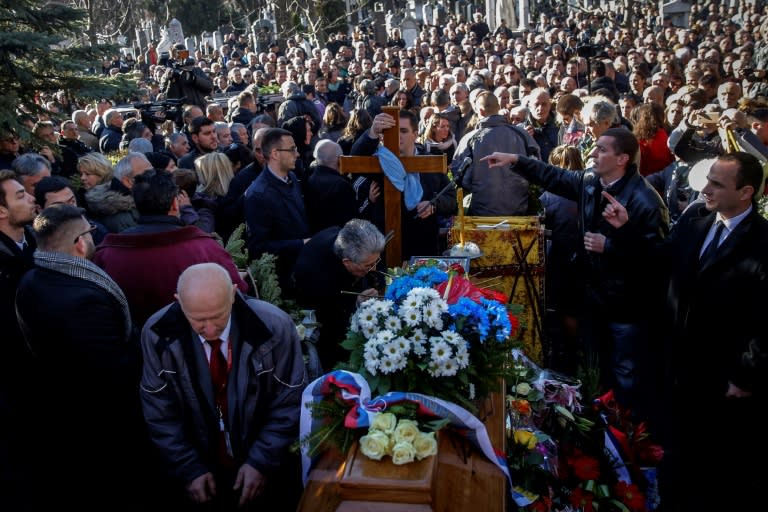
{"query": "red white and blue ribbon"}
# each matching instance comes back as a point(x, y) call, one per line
point(356, 390)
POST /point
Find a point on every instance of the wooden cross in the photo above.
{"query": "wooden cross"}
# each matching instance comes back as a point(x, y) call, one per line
point(392, 196)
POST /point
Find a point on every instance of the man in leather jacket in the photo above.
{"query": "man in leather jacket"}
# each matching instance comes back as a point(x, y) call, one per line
point(621, 286)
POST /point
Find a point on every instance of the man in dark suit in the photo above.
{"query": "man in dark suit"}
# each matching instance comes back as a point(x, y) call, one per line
point(330, 198)
point(76, 322)
point(718, 284)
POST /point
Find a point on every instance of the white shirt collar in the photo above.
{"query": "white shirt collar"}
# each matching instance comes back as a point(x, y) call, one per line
point(730, 224)
point(224, 337)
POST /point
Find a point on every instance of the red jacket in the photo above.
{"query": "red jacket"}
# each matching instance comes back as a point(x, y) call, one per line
point(148, 265)
point(654, 153)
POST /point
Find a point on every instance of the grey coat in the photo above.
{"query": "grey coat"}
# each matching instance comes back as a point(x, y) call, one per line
point(495, 192)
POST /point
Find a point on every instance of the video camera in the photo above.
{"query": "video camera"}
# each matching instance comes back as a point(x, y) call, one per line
point(157, 112)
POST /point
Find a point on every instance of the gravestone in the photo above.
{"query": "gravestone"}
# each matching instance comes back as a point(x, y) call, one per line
point(175, 32)
point(677, 11)
point(409, 30)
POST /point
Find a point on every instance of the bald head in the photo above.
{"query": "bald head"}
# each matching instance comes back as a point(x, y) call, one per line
point(206, 294)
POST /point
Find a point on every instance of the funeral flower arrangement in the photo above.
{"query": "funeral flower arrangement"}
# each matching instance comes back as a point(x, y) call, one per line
point(435, 333)
point(399, 438)
point(564, 456)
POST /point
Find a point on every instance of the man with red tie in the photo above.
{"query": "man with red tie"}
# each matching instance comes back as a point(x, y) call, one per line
point(221, 389)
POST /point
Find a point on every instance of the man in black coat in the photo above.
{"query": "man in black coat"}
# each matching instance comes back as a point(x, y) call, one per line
point(420, 226)
point(329, 197)
point(338, 260)
point(76, 321)
point(622, 288)
point(718, 343)
point(17, 243)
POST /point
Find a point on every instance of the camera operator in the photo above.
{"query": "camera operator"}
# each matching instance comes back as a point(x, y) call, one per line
point(183, 79)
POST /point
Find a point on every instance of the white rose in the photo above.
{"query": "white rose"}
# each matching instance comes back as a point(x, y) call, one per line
point(403, 453)
point(406, 431)
point(384, 421)
point(523, 388)
point(425, 445)
point(375, 445)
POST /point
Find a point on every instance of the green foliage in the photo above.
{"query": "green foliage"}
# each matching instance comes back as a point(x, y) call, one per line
point(41, 52)
point(235, 246)
point(334, 13)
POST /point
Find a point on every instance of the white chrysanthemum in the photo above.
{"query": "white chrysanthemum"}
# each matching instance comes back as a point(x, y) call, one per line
point(419, 348)
point(403, 344)
point(391, 348)
point(392, 323)
point(385, 336)
point(367, 318)
point(428, 294)
point(354, 326)
point(412, 299)
point(411, 316)
point(462, 358)
point(452, 337)
point(432, 317)
point(369, 331)
point(371, 364)
point(387, 365)
point(441, 351)
point(418, 336)
point(398, 361)
point(449, 368)
point(434, 369)
point(382, 306)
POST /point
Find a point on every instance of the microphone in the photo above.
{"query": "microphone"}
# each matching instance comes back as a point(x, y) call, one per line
point(458, 177)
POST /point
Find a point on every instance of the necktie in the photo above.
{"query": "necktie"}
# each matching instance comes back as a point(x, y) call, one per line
point(711, 249)
point(219, 374)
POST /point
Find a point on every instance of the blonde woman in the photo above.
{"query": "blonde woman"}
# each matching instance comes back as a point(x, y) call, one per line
point(214, 174)
point(94, 169)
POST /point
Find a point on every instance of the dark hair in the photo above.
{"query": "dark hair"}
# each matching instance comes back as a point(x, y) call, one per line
point(154, 191)
point(186, 180)
point(197, 124)
point(624, 142)
point(159, 159)
point(239, 154)
point(272, 139)
point(49, 184)
point(412, 118)
point(750, 171)
point(5, 175)
point(49, 223)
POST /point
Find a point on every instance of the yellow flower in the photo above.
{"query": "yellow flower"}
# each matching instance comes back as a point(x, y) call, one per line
point(384, 421)
point(526, 438)
point(406, 431)
point(425, 445)
point(375, 445)
point(403, 453)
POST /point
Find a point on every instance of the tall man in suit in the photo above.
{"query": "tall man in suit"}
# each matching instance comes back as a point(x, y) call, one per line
point(718, 284)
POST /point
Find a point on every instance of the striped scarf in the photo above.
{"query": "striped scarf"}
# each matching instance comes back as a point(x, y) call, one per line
point(81, 268)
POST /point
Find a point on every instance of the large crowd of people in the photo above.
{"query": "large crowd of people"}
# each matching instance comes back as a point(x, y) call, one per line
point(113, 277)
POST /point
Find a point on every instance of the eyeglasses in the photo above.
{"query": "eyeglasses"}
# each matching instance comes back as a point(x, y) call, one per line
point(371, 267)
point(90, 230)
point(292, 149)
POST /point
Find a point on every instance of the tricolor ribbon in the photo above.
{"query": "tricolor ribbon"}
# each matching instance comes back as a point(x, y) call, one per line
point(355, 389)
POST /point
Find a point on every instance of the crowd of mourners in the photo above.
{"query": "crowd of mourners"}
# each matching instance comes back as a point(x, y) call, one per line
point(148, 194)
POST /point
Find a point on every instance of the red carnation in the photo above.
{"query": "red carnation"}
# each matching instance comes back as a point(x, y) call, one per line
point(630, 495)
point(586, 468)
point(582, 499)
